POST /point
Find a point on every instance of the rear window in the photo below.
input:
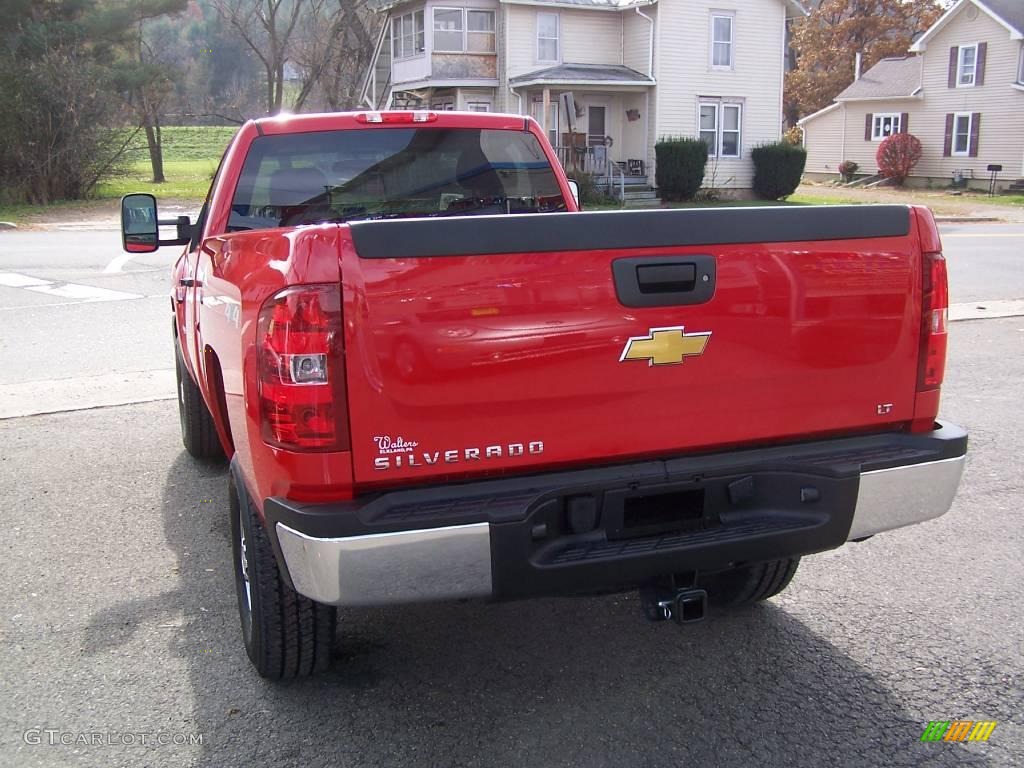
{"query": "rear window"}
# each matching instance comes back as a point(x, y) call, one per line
point(374, 173)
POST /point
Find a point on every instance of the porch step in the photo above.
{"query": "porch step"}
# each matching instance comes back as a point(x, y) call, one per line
point(640, 194)
point(642, 202)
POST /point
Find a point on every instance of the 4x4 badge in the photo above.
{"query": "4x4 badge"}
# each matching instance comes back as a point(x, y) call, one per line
point(665, 346)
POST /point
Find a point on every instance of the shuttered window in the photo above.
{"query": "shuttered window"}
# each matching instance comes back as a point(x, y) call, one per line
point(962, 134)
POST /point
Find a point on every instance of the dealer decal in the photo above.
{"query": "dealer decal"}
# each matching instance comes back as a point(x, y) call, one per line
point(398, 452)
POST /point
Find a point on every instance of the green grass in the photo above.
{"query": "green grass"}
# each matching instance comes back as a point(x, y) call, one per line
point(191, 154)
point(188, 179)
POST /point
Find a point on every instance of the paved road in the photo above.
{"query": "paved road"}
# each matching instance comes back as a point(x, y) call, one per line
point(119, 616)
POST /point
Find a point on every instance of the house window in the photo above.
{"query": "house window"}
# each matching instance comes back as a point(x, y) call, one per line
point(478, 106)
point(547, 37)
point(720, 128)
point(444, 104)
point(966, 65)
point(407, 35)
point(884, 125)
point(1020, 66)
point(480, 37)
point(721, 41)
point(962, 133)
point(448, 30)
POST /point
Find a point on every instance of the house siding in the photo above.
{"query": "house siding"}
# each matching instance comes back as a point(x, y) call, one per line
point(755, 80)
point(839, 135)
point(1001, 134)
point(1001, 138)
point(584, 37)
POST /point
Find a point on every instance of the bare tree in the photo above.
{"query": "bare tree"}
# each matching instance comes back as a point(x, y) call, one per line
point(268, 28)
point(333, 51)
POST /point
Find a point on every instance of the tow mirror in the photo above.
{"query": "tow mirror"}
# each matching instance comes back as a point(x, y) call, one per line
point(139, 229)
point(140, 226)
point(574, 187)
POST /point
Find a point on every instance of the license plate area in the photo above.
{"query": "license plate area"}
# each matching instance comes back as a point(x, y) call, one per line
point(656, 510)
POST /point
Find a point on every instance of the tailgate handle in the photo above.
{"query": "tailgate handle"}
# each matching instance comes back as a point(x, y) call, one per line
point(666, 278)
point(664, 281)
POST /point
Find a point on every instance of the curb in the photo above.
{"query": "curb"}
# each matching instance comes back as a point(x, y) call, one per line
point(967, 219)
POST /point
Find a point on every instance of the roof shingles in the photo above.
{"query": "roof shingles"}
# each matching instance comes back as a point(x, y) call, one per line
point(889, 78)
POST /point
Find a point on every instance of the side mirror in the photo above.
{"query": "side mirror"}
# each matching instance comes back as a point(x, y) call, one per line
point(574, 187)
point(139, 228)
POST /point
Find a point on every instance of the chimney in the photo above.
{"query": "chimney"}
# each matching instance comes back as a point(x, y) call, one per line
point(856, 68)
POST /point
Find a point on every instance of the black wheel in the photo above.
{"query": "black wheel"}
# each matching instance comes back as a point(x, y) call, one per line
point(748, 583)
point(198, 432)
point(286, 635)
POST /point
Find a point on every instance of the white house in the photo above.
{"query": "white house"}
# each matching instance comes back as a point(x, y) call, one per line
point(960, 91)
point(636, 71)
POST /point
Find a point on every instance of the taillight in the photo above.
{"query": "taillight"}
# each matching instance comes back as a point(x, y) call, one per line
point(934, 320)
point(303, 402)
point(396, 117)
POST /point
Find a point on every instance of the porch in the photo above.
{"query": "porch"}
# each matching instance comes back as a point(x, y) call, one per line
point(597, 118)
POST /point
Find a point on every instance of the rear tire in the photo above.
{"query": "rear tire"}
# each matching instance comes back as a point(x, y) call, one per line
point(749, 583)
point(285, 634)
point(198, 432)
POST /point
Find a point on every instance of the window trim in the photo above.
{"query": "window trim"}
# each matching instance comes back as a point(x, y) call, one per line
point(557, 38)
point(719, 106)
point(433, 28)
point(397, 38)
point(876, 124)
point(970, 126)
point(493, 32)
point(731, 41)
point(722, 130)
point(464, 15)
point(960, 66)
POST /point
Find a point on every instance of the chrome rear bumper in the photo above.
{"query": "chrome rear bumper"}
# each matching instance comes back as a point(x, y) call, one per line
point(404, 567)
point(511, 538)
point(899, 496)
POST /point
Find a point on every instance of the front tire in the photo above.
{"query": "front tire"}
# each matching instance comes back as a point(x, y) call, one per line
point(749, 583)
point(286, 635)
point(198, 431)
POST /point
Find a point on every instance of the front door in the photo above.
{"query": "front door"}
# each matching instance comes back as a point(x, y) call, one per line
point(596, 128)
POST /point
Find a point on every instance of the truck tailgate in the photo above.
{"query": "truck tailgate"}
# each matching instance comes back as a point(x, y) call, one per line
point(515, 343)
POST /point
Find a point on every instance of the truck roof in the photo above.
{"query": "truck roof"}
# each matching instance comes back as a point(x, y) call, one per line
point(333, 121)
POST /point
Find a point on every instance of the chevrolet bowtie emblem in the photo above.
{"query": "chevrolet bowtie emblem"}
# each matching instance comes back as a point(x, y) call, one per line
point(665, 346)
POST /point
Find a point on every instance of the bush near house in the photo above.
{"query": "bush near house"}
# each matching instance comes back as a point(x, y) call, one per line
point(680, 167)
point(777, 169)
point(897, 156)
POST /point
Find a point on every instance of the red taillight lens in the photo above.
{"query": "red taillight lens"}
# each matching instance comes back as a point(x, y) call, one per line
point(934, 319)
point(301, 361)
point(396, 117)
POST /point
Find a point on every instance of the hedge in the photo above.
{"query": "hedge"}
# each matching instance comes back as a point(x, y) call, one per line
point(680, 167)
point(777, 169)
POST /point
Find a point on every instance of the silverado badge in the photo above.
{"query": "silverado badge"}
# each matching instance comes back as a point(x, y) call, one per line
point(665, 346)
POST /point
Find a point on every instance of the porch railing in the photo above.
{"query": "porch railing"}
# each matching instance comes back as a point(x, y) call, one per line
point(594, 161)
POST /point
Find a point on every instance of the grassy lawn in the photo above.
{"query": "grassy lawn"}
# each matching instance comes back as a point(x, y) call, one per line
point(191, 154)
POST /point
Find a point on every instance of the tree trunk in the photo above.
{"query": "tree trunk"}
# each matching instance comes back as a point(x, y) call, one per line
point(156, 153)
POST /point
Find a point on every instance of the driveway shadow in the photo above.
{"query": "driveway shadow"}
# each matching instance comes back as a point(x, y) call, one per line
point(550, 682)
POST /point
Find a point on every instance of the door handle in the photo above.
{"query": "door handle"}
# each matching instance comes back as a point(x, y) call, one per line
point(664, 281)
point(188, 282)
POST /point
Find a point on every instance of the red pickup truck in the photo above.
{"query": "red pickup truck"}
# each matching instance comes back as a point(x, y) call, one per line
point(436, 379)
